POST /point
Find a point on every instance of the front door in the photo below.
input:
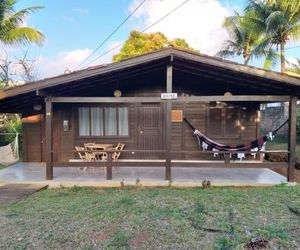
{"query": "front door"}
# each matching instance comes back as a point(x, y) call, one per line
point(151, 130)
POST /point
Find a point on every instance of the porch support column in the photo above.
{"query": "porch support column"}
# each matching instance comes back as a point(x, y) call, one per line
point(49, 157)
point(292, 139)
point(168, 138)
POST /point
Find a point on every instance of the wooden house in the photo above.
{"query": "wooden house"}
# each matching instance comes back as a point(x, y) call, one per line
point(141, 102)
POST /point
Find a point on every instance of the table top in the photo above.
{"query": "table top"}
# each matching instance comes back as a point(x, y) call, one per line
point(100, 146)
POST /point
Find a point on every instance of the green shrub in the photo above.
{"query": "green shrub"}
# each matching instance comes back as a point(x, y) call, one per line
point(11, 127)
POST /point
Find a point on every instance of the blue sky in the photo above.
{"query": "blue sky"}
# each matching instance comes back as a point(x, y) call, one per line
point(73, 28)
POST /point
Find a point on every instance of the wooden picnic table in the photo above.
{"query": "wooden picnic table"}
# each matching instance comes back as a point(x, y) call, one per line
point(100, 146)
point(99, 155)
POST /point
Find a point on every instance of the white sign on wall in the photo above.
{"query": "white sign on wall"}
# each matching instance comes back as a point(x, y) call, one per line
point(168, 96)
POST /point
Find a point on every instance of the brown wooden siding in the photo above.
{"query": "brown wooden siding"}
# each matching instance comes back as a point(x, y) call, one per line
point(218, 123)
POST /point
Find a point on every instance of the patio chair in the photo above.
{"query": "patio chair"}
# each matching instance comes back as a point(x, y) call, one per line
point(116, 155)
point(84, 155)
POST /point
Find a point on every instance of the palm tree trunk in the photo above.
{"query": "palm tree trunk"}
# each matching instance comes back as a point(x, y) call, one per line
point(282, 57)
point(245, 56)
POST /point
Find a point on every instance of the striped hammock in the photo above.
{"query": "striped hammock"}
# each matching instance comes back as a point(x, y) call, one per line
point(209, 144)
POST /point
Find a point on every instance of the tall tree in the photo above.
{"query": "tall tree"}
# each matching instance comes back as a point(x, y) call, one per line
point(242, 37)
point(280, 20)
point(12, 30)
point(139, 43)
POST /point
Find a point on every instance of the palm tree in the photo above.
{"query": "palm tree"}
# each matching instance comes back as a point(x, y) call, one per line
point(280, 20)
point(243, 38)
point(11, 29)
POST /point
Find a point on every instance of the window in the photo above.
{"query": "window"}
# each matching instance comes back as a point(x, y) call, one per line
point(103, 121)
point(223, 122)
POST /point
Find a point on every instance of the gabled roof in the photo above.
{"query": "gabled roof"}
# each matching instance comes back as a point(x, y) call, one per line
point(188, 60)
point(146, 58)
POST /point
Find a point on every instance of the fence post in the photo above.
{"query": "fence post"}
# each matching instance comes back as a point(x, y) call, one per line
point(292, 138)
point(109, 166)
point(49, 160)
point(168, 127)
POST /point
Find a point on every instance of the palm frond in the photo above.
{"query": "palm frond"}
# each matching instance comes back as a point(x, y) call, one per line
point(275, 20)
point(294, 32)
point(271, 59)
point(262, 46)
point(18, 17)
point(11, 30)
point(23, 35)
point(226, 53)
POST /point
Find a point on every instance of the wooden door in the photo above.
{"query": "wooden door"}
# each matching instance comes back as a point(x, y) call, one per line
point(32, 138)
point(150, 130)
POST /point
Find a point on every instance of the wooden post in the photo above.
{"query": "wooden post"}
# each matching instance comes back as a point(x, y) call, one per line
point(292, 139)
point(109, 166)
point(168, 138)
point(49, 153)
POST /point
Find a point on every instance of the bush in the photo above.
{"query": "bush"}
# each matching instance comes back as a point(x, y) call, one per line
point(12, 126)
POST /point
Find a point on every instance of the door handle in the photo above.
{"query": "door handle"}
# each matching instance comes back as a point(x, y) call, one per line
point(141, 132)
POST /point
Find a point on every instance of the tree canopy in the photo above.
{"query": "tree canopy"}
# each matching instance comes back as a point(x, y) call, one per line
point(11, 21)
point(243, 38)
point(139, 43)
point(266, 26)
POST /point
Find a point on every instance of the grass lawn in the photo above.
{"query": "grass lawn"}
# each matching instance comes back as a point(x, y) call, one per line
point(2, 166)
point(153, 218)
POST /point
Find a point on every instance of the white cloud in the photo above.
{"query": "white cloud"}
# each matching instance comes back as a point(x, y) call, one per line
point(81, 11)
point(66, 60)
point(198, 21)
point(70, 60)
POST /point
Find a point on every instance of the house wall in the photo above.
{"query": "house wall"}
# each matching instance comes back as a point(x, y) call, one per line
point(225, 123)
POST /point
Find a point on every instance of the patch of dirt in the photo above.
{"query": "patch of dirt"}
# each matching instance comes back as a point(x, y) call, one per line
point(257, 244)
point(102, 236)
point(106, 234)
point(139, 240)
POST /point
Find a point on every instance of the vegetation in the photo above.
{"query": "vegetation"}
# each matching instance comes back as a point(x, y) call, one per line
point(153, 218)
point(11, 21)
point(266, 23)
point(243, 38)
point(294, 67)
point(12, 125)
point(139, 43)
point(13, 32)
point(2, 166)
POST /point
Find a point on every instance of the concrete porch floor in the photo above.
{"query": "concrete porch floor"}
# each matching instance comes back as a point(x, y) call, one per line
point(35, 172)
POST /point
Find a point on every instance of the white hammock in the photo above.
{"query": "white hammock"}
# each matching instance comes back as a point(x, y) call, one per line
point(10, 153)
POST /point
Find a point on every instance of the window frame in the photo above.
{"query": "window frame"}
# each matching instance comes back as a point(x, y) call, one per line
point(224, 123)
point(103, 106)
